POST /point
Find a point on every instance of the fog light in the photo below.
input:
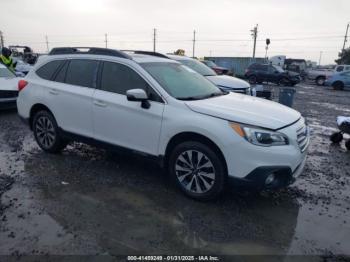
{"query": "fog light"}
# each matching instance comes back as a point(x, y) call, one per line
point(270, 179)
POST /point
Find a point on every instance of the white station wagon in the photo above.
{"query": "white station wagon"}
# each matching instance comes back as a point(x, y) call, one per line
point(157, 107)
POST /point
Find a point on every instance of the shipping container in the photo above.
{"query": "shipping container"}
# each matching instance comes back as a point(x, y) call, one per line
point(236, 64)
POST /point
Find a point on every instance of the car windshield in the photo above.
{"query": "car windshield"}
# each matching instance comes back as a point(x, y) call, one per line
point(4, 72)
point(198, 67)
point(279, 69)
point(210, 63)
point(182, 82)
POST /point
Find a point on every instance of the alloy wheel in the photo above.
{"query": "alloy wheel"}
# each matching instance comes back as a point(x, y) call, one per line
point(45, 131)
point(195, 171)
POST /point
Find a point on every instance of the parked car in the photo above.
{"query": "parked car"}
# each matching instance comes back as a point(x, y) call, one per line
point(320, 75)
point(157, 107)
point(8, 88)
point(259, 73)
point(225, 82)
point(339, 81)
point(218, 69)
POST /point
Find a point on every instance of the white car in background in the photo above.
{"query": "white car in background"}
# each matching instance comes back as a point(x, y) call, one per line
point(8, 88)
point(228, 83)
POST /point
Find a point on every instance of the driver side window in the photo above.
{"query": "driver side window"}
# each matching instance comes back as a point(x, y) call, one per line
point(118, 78)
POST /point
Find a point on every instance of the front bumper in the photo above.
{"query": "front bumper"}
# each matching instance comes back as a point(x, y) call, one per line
point(253, 164)
point(283, 177)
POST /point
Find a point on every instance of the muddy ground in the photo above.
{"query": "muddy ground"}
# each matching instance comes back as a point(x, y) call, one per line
point(87, 201)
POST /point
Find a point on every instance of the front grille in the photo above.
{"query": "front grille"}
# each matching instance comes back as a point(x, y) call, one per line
point(303, 137)
point(8, 94)
point(240, 90)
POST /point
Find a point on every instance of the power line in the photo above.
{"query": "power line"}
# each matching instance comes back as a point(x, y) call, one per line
point(1, 39)
point(255, 36)
point(194, 43)
point(47, 43)
point(345, 38)
point(154, 39)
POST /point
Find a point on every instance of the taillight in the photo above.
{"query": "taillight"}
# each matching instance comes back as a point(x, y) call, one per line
point(22, 84)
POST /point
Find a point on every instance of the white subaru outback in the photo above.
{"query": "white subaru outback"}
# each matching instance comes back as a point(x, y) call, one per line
point(160, 108)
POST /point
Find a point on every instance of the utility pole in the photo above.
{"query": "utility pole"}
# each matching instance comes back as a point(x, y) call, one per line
point(194, 43)
point(47, 43)
point(319, 61)
point(106, 41)
point(346, 37)
point(1, 40)
point(255, 36)
point(154, 39)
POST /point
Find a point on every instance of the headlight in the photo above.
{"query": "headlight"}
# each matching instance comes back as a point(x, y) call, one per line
point(259, 136)
point(249, 91)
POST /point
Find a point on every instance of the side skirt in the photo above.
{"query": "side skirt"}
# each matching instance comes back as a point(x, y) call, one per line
point(111, 147)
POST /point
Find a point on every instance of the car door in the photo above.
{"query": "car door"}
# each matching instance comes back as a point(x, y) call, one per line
point(264, 72)
point(121, 122)
point(346, 78)
point(70, 96)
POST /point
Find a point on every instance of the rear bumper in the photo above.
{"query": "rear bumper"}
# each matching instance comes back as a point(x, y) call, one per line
point(8, 103)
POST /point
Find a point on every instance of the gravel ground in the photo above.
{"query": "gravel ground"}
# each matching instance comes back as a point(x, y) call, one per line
point(86, 201)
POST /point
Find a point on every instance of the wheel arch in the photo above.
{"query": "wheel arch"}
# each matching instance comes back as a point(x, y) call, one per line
point(36, 108)
point(192, 136)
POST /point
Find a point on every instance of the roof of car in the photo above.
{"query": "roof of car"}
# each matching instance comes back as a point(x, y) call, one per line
point(141, 58)
point(179, 57)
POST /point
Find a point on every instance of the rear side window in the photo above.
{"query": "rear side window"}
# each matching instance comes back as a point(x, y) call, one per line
point(48, 70)
point(119, 78)
point(61, 75)
point(82, 73)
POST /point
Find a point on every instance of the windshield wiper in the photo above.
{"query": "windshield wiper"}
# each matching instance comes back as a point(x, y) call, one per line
point(204, 96)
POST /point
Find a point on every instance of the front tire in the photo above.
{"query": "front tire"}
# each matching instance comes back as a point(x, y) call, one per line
point(336, 137)
point(320, 80)
point(46, 133)
point(197, 170)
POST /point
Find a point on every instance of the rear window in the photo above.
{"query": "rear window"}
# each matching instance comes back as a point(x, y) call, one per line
point(48, 70)
point(82, 73)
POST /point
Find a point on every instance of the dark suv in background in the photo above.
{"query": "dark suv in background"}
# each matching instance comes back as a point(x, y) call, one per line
point(259, 73)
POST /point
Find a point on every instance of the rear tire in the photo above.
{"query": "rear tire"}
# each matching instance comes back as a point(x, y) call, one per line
point(46, 132)
point(284, 81)
point(252, 79)
point(197, 170)
point(347, 145)
point(320, 80)
point(338, 85)
point(336, 137)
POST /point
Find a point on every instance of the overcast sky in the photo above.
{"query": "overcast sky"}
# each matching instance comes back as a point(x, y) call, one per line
point(297, 28)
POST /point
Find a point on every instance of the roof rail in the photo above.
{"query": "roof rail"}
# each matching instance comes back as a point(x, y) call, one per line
point(146, 53)
point(88, 50)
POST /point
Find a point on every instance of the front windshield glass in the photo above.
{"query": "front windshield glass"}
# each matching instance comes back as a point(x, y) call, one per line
point(181, 82)
point(198, 67)
point(4, 72)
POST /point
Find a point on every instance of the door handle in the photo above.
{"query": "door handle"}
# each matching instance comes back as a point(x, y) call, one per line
point(53, 91)
point(99, 103)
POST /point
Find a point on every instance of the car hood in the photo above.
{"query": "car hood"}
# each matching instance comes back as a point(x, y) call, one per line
point(9, 84)
point(228, 82)
point(247, 110)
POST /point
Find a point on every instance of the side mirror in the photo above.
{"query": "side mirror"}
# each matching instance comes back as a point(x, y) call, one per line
point(138, 95)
